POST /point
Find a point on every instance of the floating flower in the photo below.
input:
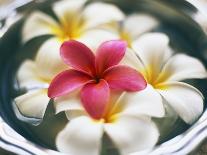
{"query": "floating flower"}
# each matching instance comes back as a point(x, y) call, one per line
point(126, 121)
point(75, 21)
point(96, 75)
point(31, 106)
point(165, 73)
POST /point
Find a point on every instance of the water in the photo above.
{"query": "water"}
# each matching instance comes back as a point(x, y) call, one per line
point(185, 37)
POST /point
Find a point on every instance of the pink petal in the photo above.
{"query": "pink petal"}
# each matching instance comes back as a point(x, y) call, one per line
point(95, 97)
point(109, 54)
point(124, 78)
point(67, 81)
point(78, 56)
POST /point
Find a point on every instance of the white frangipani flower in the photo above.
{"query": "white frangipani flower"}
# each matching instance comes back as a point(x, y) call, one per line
point(31, 106)
point(127, 123)
point(165, 73)
point(75, 22)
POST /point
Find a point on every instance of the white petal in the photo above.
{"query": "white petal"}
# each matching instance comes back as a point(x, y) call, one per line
point(33, 104)
point(93, 38)
point(138, 24)
point(153, 50)
point(69, 102)
point(38, 24)
point(186, 100)
point(28, 78)
point(48, 60)
point(132, 60)
point(63, 8)
point(181, 67)
point(131, 134)
point(81, 136)
point(71, 114)
point(101, 13)
point(145, 102)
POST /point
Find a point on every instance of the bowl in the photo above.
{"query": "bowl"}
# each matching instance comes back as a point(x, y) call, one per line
point(182, 20)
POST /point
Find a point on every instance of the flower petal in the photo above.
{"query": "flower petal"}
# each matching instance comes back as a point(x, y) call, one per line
point(95, 97)
point(64, 8)
point(132, 60)
point(68, 102)
point(137, 24)
point(66, 82)
point(124, 78)
point(78, 56)
point(146, 102)
point(131, 134)
point(153, 50)
point(181, 67)
point(186, 100)
point(28, 78)
point(32, 104)
point(98, 13)
point(71, 114)
point(48, 59)
point(71, 104)
point(98, 36)
point(76, 140)
point(109, 54)
point(38, 24)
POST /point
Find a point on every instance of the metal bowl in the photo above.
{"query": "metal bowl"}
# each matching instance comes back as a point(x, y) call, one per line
point(183, 20)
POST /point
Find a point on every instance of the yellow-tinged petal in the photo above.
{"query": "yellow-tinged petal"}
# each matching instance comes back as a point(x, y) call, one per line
point(93, 38)
point(48, 60)
point(99, 13)
point(153, 50)
point(181, 67)
point(131, 134)
point(186, 100)
point(28, 78)
point(65, 8)
point(32, 104)
point(137, 24)
point(81, 136)
point(146, 102)
point(38, 24)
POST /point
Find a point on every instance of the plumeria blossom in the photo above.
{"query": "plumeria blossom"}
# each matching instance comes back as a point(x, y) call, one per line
point(35, 77)
point(153, 58)
point(31, 106)
point(95, 75)
point(76, 21)
point(127, 122)
point(91, 96)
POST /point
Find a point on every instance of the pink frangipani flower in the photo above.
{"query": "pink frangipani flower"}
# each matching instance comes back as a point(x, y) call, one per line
point(95, 75)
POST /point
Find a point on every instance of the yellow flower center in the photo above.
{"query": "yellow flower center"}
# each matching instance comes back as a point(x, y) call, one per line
point(126, 36)
point(71, 27)
point(156, 78)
